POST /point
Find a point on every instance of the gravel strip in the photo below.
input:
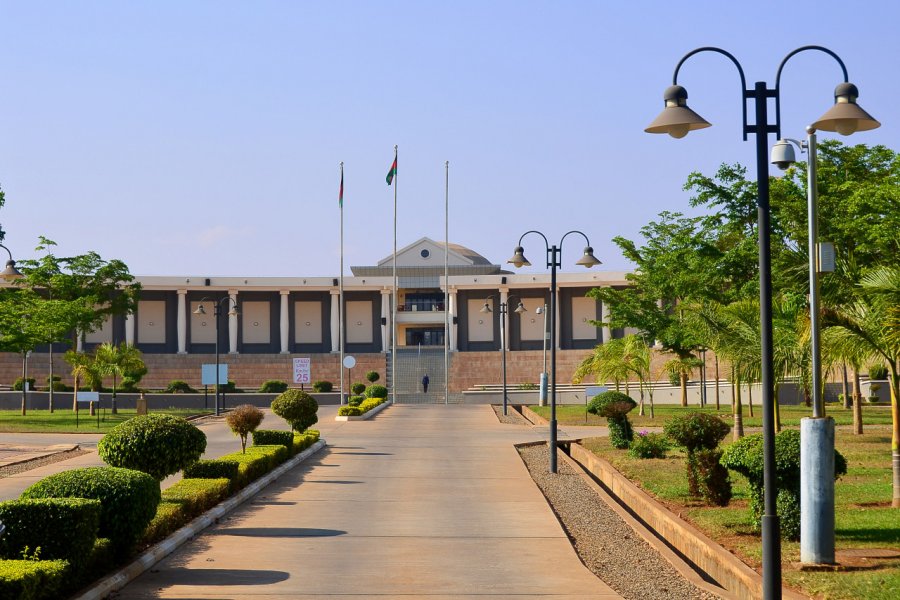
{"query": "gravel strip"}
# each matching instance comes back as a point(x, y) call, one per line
point(40, 462)
point(605, 543)
point(512, 417)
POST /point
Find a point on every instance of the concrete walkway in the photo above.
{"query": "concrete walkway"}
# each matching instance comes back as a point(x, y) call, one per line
point(421, 501)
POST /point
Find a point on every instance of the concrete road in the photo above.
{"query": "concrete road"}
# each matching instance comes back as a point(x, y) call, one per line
point(421, 501)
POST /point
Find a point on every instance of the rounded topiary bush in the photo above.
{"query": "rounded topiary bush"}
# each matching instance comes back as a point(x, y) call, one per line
point(358, 388)
point(614, 406)
point(322, 387)
point(297, 408)
point(158, 445)
point(376, 391)
point(355, 400)
point(372, 376)
point(273, 386)
point(128, 499)
point(178, 386)
point(698, 432)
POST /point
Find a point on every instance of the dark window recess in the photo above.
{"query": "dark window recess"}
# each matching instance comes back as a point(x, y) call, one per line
point(423, 301)
point(424, 337)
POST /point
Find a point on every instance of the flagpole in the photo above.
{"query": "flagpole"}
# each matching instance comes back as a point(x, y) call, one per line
point(394, 294)
point(341, 289)
point(447, 282)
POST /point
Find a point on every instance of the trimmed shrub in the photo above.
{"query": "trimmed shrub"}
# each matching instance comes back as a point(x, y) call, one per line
point(229, 387)
point(273, 386)
point(182, 502)
point(370, 403)
point(698, 431)
point(355, 400)
point(372, 376)
point(128, 499)
point(712, 477)
point(178, 386)
point(214, 469)
point(649, 445)
point(878, 371)
point(615, 407)
point(349, 411)
point(158, 445)
point(302, 441)
point(322, 387)
point(376, 391)
point(63, 528)
point(297, 408)
point(32, 579)
point(17, 384)
point(268, 437)
point(242, 420)
point(746, 457)
point(358, 388)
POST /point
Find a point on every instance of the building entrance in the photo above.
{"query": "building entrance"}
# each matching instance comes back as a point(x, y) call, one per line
point(424, 336)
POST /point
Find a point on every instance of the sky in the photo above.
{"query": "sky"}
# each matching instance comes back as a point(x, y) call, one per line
point(204, 138)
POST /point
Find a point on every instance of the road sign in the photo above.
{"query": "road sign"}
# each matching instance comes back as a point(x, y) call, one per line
point(302, 370)
point(349, 362)
point(208, 374)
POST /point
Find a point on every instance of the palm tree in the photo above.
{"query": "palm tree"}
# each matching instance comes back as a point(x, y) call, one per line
point(638, 357)
point(117, 361)
point(85, 369)
point(608, 362)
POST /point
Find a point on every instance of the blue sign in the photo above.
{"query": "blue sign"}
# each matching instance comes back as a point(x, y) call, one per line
point(208, 374)
point(594, 390)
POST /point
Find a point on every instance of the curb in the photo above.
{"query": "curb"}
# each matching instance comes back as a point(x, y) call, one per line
point(367, 415)
point(39, 454)
point(154, 554)
point(532, 416)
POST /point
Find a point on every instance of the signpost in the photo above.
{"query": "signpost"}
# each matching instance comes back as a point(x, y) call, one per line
point(349, 363)
point(89, 397)
point(302, 371)
point(208, 377)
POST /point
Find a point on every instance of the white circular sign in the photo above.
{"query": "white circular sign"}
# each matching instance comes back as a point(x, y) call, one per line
point(349, 362)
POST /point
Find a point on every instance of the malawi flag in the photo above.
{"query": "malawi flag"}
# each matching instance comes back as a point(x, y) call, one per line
point(392, 172)
point(341, 193)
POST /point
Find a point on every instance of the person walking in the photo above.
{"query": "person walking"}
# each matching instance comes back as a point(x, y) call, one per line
point(425, 383)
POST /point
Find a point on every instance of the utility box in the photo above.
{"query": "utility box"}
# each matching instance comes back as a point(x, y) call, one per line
point(142, 405)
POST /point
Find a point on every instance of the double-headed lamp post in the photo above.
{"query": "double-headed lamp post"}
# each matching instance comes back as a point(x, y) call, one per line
point(845, 117)
point(554, 260)
point(503, 312)
point(217, 310)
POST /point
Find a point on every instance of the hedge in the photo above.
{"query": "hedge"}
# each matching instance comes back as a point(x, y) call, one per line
point(213, 469)
point(32, 579)
point(240, 468)
point(182, 502)
point(376, 391)
point(269, 437)
point(158, 445)
point(349, 411)
point(370, 403)
point(304, 440)
point(273, 386)
point(128, 499)
point(63, 528)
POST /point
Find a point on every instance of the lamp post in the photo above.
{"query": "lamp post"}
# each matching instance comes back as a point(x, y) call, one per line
point(503, 312)
point(554, 260)
point(217, 310)
point(845, 117)
point(10, 273)
point(542, 310)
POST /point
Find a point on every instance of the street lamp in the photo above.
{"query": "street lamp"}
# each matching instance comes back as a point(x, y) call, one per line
point(845, 117)
point(217, 310)
point(554, 260)
point(10, 273)
point(503, 312)
point(542, 310)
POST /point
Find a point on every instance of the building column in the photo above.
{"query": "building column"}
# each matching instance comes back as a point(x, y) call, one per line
point(335, 321)
point(79, 341)
point(386, 328)
point(181, 321)
point(284, 323)
point(129, 329)
point(453, 326)
point(232, 324)
point(504, 299)
point(606, 332)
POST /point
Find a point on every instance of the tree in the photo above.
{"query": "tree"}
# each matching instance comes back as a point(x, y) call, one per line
point(84, 368)
point(243, 420)
point(117, 361)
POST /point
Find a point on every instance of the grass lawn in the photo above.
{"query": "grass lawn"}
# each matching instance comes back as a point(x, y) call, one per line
point(864, 518)
point(63, 420)
point(570, 414)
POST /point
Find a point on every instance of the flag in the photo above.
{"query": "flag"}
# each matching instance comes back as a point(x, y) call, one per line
point(341, 193)
point(392, 172)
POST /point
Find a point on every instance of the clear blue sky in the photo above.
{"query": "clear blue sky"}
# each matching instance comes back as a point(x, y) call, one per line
point(203, 138)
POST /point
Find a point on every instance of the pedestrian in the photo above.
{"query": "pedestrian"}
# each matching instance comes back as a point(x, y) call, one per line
point(425, 383)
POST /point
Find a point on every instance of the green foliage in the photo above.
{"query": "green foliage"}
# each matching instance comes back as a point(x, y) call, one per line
point(128, 498)
point(32, 580)
point(242, 420)
point(527, 386)
point(696, 431)
point(712, 477)
point(649, 445)
point(371, 403)
point(878, 371)
point(611, 405)
point(119, 361)
point(322, 387)
point(269, 437)
point(355, 400)
point(228, 387)
point(700, 434)
point(620, 432)
point(213, 469)
point(273, 386)
point(358, 388)
point(62, 528)
point(156, 444)
point(304, 440)
point(240, 468)
point(372, 376)
point(297, 408)
point(349, 411)
point(376, 391)
point(17, 384)
point(177, 386)
point(182, 502)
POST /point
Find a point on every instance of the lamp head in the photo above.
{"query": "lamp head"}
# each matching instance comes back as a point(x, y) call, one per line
point(486, 308)
point(11, 273)
point(233, 312)
point(783, 154)
point(676, 118)
point(200, 310)
point(846, 116)
point(520, 308)
point(539, 310)
point(588, 259)
point(518, 259)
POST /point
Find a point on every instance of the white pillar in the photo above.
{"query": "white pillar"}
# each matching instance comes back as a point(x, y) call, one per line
point(606, 332)
point(232, 323)
point(335, 321)
point(385, 320)
point(285, 322)
point(79, 341)
point(129, 329)
point(453, 325)
point(181, 321)
point(504, 326)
